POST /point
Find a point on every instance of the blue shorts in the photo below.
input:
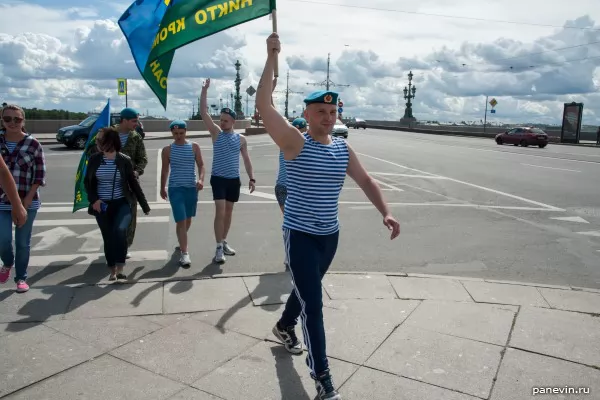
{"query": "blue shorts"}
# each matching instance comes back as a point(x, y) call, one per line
point(184, 201)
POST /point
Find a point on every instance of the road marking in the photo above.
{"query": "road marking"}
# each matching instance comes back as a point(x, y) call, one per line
point(571, 219)
point(387, 185)
point(408, 175)
point(590, 233)
point(512, 196)
point(52, 237)
point(258, 194)
point(89, 221)
point(88, 258)
point(558, 169)
point(464, 205)
point(93, 241)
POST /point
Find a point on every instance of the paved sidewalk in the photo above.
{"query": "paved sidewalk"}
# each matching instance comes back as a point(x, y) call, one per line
point(397, 337)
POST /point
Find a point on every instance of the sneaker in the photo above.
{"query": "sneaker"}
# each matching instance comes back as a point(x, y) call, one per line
point(288, 338)
point(219, 256)
point(4, 274)
point(184, 259)
point(325, 388)
point(22, 286)
point(128, 255)
point(228, 250)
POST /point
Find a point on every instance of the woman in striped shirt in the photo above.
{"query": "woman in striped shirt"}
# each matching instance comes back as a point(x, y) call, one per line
point(182, 157)
point(112, 189)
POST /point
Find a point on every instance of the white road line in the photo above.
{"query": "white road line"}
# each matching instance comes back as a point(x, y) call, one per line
point(558, 169)
point(88, 258)
point(512, 196)
point(571, 219)
point(590, 233)
point(258, 194)
point(90, 221)
point(387, 185)
point(463, 205)
point(408, 175)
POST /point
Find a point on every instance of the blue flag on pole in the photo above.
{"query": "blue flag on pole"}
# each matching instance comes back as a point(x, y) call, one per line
point(80, 200)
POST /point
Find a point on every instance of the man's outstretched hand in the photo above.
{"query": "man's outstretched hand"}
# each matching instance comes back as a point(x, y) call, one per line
point(392, 225)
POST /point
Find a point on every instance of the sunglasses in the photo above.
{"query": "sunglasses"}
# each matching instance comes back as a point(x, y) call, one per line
point(16, 120)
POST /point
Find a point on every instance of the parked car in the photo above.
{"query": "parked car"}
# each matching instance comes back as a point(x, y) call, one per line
point(75, 136)
point(357, 123)
point(524, 136)
point(340, 129)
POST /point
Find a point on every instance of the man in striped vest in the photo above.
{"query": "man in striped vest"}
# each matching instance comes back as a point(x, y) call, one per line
point(316, 165)
point(225, 174)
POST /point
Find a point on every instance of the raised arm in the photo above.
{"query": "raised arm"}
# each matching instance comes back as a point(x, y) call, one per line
point(288, 138)
point(206, 118)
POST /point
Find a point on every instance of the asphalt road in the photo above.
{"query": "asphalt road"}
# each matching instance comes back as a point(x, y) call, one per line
point(467, 207)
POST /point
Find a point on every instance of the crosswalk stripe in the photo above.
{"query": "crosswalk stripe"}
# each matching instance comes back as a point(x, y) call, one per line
point(90, 221)
point(88, 258)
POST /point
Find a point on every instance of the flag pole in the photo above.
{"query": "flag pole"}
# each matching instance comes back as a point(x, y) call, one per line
point(274, 18)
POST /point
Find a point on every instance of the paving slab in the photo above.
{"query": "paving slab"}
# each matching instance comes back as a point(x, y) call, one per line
point(269, 289)
point(249, 320)
point(573, 300)
point(450, 362)
point(367, 383)
point(185, 351)
point(105, 334)
point(37, 353)
point(562, 334)
point(205, 295)
point(101, 379)
point(194, 394)
point(166, 319)
point(115, 300)
point(350, 338)
point(36, 305)
point(429, 289)
point(341, 287)
point(487, 292)
point(521, 373)
point(268, 371)
point(484, 322)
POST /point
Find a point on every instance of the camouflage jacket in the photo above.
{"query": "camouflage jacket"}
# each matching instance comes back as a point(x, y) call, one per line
point(134, 148)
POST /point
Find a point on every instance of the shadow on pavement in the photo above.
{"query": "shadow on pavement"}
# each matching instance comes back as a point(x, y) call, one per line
point(290, 383)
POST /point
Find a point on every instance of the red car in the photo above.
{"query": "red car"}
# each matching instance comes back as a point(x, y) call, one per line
point(523, 136)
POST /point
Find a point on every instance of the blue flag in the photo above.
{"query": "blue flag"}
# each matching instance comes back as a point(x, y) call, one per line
point(81, 200)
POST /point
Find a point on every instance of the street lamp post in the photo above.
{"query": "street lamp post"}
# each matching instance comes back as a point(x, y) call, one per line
point(409, 95)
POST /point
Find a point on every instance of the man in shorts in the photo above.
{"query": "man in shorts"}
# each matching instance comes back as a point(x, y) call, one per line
point(182, 157)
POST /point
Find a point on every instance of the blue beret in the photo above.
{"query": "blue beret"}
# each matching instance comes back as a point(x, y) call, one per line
point(129, 113)
point(229, 111)
point(322, 96)
point(178, 124)
point(299, 123)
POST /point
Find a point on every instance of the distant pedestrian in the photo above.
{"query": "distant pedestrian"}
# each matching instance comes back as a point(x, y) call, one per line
point(132, 145)
point(182, 157)
point(113, 191)
point(24, 158)
point(225, 174)
point(316, 165)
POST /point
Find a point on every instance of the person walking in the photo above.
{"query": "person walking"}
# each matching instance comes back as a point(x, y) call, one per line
point(24, 158)
point(113, 191)
point(182, 157)
point(316, 165)
point(132, 145)
point(225, 174)
point(281, 182)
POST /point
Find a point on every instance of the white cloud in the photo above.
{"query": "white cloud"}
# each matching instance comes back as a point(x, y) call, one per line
point(70, 57)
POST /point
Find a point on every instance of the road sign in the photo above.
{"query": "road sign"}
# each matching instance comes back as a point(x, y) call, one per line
point(340, 104)
point(251, 91)
point(493, 111)
point(122, 87)
point(340, 110)
point(493, 102)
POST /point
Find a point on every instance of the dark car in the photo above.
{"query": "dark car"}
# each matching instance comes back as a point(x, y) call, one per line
point(75, 136)
point(523, 136)
point(357, 123)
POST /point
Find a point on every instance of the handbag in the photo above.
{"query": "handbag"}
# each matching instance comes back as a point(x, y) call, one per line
point(106, 204)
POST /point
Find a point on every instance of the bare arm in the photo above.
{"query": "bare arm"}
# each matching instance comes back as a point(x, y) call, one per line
point(246, 157)
point(288, 138)
point(199, 161)
point(206, 118)
point(357, 172)
point(164, 172)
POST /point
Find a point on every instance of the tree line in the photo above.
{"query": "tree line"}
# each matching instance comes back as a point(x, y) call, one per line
point(37, 113)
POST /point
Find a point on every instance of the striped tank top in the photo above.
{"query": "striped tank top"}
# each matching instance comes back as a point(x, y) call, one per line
point(106, 176)
point(183, 165)
point(282, 174)
point(226, 155)
point(314, 181)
